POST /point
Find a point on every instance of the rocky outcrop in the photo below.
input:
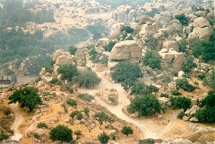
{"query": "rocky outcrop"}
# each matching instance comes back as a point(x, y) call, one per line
point(115, 30)
point(80, 57)
point(121, 13)
point(170, 44)
point(126, 50)
point(163, 18)
point(174, 27)
point(61, 57)
point(99, 47)
point(200, 28)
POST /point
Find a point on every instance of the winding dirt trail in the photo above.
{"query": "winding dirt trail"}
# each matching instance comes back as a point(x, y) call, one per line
point(17, 122)
point(147, 130)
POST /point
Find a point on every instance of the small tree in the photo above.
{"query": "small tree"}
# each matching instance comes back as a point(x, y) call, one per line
point(27, 97)
point(180, 102)
point(151, 42)
point(103, 138)
point(183, 19)
point(102, 117)
point(152, 59)
point(210, 79)
point(109, 46)
point(72, 49)
point(61, 133)
point(127, 130)
point(87, 79)
point(68, 71)
point(183, 84)
point(188, 64)
point(145, 105)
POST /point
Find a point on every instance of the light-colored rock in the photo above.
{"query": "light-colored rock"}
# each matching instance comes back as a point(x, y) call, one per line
point(64, 59)
point(80, 57)
point(126, 50)
point(163, 18)
point(121, 13)
point(185, 118)
point(194, 119)
point(163, 100)
point(53, 119)
point(115, 30)
point(170, 44)
point(180, 74)
point(201, 22)
point(112, 132)
point(178, 141)
point(192, 110)
point(100, 44)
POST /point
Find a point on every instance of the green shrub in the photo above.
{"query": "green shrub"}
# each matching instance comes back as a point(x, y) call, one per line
point(183, 19)
point(181, 114)
point(188, 64)
point(42, 125)
point(180, 102)
point(206, 114)
point(3, 136)
point(68, 71)
point(175, 92)
point(103, 138)
point(86, 97)
point(109, 46)
point(55, 81)
point(164, 95)
point(152, 59)
point(147, 141)
point(67, 87)
point(127, 130)
point(76, 113)
point(71, 102)
point(183, 84)
point(7, 111)
point(182, 45)
point(78, 132)
point(72, 49)
point(127, 29)
point(151, 42)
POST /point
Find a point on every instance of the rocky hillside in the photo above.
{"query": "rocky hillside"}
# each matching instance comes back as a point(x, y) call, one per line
point(148, 79)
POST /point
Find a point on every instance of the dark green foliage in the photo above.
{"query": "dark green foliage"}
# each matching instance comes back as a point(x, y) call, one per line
point(127, 130)
point(152, 88)
point(182, 45)
point(207, 113)
point(7, 111)
point(87, 79)
point(145, 105)
point(61, 133)
point(27, 97)
point(209, 100)
point(76, 113)
point(109, 46)
point(42, 125)
point(180, 102)
point(67, 87)
point(86, 110)
point(183, 19)
point(102, 117)
point(164, 95)
point(181, 114)
point(151, 42)
point(72, 49)
point(78, 132)
point(210, 79)
point(126, 71)
point(93, 53)
point(147, 141)
point(55, 81)
point(183, 84)
point(139, 88)
point(204, 49)
point(188, 64)
point(152, 59)
point(3, 136)
point(175, 92)
point(127, 29)
point(8, 71)
point(86, 97)
point(103, 138)
point(68, 71)
point(71, 102)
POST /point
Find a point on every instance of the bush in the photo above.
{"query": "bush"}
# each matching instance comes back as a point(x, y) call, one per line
point(126, 71)
point(210, 79)
point(127, 130)
point(183, 19)
point(127, 29)
point(86, 97)
point(7, 111)
point(147, 141)
point(175, 92)
point(72, 49)
point(42, 125)
point(87, 79)
point(144, 105)
point(180, 102)
point(76, 113)
point(103, 138)
point(152, 88)
point(182, 45)
point(71, 102)
point(183, 84)
point(181, 114)
point(3, 136)
point(55, 81)
point(188, 64)
point(109, 46)
point(151, 42)
point(78, 132)
point(152, 59)
point(67, 87)
point(68, 71)
point(164, 95)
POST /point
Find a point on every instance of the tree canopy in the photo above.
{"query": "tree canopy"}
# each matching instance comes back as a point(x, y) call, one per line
point(27, 97)
point(188, 64)
point(180, 102)
point(103, 138)
point(184, 20)
point(127, 130)
point(68, 71)
point(152, 59)
point(61, 133)
point(145, 105)
point(126, 71)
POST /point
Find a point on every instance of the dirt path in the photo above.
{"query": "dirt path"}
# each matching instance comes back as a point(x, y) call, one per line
point(17, 122)
point(149, 131)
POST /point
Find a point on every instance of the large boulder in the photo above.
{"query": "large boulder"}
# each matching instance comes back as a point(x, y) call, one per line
point(121, 13)
point(163, 18)
point(200, 28)
point(60, 57)
point(170, 44)
point(126, 50)
point(80, 57)
point(115, 30)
